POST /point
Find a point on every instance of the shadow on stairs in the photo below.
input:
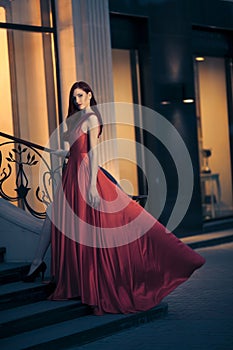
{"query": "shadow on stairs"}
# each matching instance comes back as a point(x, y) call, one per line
point(29, 321)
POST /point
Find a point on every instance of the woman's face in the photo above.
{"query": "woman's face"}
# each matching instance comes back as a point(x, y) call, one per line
point(81, 98)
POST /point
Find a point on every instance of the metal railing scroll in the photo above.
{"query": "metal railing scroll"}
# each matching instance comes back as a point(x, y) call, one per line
point(20, 165)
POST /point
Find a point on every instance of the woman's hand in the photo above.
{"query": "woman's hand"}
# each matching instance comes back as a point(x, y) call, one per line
point(93, 196)
point(61, 153)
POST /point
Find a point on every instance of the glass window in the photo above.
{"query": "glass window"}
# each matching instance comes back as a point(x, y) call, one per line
point(28, 94)
point(6, 121)
point(67, 49)
point(213, 134)
point(27, 12)
point(122, 81)
point(28, 97)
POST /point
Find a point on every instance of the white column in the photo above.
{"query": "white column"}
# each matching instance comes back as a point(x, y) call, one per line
point(94, 61)
point(93, 46)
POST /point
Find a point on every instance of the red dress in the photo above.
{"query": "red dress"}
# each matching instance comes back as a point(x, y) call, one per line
point(118, 259)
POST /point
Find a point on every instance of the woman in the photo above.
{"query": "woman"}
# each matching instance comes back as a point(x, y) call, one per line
point(106, 249)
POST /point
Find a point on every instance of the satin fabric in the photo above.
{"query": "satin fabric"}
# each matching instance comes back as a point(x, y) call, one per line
point(117, 259)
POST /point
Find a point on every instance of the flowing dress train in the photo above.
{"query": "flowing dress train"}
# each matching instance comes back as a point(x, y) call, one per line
point(119, 258)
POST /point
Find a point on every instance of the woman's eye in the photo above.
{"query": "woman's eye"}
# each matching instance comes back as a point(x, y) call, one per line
point(80, 95)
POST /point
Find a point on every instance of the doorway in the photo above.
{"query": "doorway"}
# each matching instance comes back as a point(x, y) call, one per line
point(123, 70)
point(214, 136)
point(129, 37)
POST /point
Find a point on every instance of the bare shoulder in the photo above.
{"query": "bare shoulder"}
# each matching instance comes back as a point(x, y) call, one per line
point(90, 123)
point(92, 120)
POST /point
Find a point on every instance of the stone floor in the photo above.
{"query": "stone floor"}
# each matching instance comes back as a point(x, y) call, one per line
point(200, 312)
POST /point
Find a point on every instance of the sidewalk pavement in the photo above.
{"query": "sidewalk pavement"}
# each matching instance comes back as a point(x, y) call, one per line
point(200, 312)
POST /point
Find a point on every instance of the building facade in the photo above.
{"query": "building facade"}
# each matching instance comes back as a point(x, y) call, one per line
point(172, 57)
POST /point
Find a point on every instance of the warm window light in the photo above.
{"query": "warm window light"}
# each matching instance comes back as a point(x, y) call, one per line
point(165, 102)
point(200, 58)
point(188, 100)
point(2, 14)
point(176, 92)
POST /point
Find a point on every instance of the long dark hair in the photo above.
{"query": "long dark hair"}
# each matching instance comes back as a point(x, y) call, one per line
point(74, 109)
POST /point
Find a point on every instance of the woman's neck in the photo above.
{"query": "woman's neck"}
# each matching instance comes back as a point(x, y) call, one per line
point(88, 110)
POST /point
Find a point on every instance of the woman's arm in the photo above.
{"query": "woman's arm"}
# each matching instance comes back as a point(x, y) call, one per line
point(93, 131)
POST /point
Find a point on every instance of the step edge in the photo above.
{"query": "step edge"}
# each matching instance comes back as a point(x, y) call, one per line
point(210, 242)
point(20, 287)
point(80, 326)
point(20, 312)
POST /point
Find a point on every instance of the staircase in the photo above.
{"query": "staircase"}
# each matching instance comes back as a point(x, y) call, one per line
point(29, 321)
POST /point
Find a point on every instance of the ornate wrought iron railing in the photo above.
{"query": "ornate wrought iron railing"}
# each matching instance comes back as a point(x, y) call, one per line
point(28, 173)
